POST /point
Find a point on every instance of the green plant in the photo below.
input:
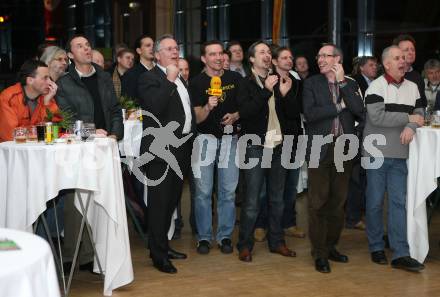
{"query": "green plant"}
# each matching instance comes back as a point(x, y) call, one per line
point(62, 118)
point(67, 119)
point(127, 102)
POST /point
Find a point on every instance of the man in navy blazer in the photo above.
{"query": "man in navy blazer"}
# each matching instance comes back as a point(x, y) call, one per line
point(169, 125)
point(332, 103)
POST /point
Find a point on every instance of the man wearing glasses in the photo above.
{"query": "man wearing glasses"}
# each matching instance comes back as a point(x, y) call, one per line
point(331, 104)
point(163, 93)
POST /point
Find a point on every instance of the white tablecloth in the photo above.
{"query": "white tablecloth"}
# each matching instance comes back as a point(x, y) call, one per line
point(29, 271)
point(32, 174)
point(131, 144)
point(423, 170)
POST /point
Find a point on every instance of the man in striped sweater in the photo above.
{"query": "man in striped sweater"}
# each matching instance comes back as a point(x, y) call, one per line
point(394, 110)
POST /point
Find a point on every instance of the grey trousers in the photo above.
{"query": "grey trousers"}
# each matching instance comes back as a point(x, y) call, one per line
point(72, 224)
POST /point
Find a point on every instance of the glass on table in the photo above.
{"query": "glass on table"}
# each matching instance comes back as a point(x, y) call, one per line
point(88, 130)
point(435, 121)
point(40, 131)
point(20, 135)
point(32, 134)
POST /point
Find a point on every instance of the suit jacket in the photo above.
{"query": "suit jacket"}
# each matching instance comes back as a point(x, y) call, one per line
point(73, 95)
point(160, 97)
point(130, 81)
point(320, 111)
point(363, 85)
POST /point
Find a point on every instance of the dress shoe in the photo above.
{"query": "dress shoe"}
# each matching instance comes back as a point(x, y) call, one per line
point(379, 257)
point(245, 255)
point(284, 251)
point(165, 266)
point(322, 265)
point(175, 255)
point(260, 234)
point(407, 263)
point(334, 255)
point(294, 231)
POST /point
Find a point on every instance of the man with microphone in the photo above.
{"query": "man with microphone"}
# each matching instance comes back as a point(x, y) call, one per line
point(215, 96)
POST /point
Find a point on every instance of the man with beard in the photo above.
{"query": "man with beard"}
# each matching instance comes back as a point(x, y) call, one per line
point(262, 114)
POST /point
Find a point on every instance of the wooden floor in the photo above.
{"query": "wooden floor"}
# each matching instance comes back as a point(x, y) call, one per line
point(269, 274)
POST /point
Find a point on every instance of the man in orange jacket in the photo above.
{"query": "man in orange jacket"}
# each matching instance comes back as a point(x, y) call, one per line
point(25, 103)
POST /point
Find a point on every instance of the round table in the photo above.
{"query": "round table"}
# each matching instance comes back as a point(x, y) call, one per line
point(29, 271)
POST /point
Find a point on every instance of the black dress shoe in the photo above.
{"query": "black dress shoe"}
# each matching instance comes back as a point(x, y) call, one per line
point(322, 265)
point(334, 255)
point(165, 266)
point(175, 255)
point(379, 257)
point(407, 263)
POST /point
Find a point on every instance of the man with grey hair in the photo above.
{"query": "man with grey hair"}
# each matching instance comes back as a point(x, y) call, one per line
point(394, 110)
point(332, 104)
point(163, 93)
point(57, 61)
point(432, 80)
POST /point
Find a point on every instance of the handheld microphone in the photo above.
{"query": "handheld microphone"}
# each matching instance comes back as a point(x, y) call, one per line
point(216, 87)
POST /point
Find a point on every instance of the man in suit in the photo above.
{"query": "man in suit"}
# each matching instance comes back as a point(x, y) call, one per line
point(163, 94)
point(367, 72)
point(130, 80)
point(331, 104)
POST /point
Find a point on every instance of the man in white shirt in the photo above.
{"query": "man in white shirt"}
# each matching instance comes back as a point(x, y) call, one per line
point(163, 94)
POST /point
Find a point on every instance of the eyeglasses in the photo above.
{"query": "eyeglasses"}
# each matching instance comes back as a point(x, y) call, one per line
point(61, 59)
point(324, 56)
point(170, 48)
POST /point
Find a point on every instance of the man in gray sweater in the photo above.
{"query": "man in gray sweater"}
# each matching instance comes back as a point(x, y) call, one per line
point(394, 111)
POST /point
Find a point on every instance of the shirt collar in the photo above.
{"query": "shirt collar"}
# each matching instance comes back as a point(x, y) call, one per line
point(81, 75)
point(391, 80)
point(154, 64)
point(164, 70)
point(367, 79)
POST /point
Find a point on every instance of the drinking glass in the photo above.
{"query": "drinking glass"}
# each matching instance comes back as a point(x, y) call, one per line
point(32, 134)
point(88, 130)
point(40, 131)
point(20, 135)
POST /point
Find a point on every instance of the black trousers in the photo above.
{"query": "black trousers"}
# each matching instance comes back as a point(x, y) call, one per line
point(163, 199)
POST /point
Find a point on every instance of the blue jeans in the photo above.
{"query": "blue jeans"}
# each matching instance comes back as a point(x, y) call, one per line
point(227, 180)
point(275, 179)
point(290, 191)
point(390, 177)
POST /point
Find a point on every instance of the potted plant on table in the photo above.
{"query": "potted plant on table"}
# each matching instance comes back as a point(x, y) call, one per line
point(130, 107)
point(62, 119)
